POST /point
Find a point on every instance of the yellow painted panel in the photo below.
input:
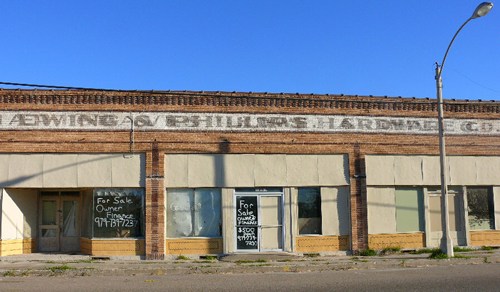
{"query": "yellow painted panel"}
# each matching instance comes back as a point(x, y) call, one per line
point(11, 247)
point(29, 245)
point(401, 240)
point(85, 246)
point(485, 238)
point(112, 247)
point(322, 243)
point(194, 246)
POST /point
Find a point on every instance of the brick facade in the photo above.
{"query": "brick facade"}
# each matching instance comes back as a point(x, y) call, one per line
point(156, 143)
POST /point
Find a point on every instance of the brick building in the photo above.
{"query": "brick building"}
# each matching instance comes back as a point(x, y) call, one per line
point(155, 174)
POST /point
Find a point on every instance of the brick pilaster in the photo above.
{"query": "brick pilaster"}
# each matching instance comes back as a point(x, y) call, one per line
point(155, 205)
point(359, 211)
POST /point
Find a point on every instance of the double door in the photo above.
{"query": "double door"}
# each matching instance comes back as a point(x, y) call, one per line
point(59, 221)
point(259, 220)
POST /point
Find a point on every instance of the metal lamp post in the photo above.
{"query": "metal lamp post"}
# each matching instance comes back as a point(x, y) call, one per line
point(446, 242)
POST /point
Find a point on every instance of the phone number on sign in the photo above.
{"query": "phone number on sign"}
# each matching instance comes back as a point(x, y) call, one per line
point(105, 222)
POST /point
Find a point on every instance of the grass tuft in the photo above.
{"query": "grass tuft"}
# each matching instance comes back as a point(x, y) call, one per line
point(61, 268)
point(367, 253)
point(437, 254)
point(250, 261)
point(462, 249)
point(9, 273)
point(424, 250)
point(311, 255)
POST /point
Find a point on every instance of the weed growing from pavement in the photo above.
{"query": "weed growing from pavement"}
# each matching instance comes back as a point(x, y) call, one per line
point(357, 259)
point(438, 254)
point(204, 262)
point(9, 273)
point(462, 249)
point(486, 260)
point(486, 248)
point(311, 255)
point(367, 253)
point(89, 261)
point(284, 260)
point(61, 268)
point(182, 258)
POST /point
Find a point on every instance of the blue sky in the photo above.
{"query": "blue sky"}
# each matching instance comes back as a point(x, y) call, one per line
point(361, 47)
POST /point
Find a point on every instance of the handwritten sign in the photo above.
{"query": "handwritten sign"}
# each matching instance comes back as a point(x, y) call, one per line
point(247, 222)
point(118, 212)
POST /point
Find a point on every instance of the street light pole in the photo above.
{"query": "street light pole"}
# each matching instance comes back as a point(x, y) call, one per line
point(446, 241)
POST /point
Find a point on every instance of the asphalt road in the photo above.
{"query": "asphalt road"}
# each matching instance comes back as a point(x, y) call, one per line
point(482, 277)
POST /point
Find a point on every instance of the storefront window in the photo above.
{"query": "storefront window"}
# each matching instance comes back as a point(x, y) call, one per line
point(480, 207)
point(309, 211)
point(194, 213)
point(118, 213)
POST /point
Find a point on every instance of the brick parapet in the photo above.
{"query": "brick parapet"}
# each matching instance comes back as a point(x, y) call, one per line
point(240, 102)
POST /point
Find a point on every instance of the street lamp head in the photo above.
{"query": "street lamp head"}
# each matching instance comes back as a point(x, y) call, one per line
point(482, 9)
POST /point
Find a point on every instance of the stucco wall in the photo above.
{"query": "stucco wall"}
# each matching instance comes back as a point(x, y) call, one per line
point(19, 210)
point(390, 170)
point(381, 204)
point(249, 170)
point(71, 170)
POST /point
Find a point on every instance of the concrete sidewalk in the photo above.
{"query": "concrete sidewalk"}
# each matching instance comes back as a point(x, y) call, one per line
point(81, 265)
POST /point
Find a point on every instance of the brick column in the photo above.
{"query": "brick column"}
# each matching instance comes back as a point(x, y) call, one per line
point(155, 205)
point(359, 211)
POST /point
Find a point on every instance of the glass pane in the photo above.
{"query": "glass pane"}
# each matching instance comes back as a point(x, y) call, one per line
point(309, 201)
point(179, 220)
point(49, 232)
point(193, 213)
point(480, 207)
point(49, 210)
point(118, 212)
point(70, 215)
point(207, 213)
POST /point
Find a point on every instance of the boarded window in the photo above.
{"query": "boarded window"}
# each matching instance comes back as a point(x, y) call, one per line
point(409, 210)
point(309, 201)
point(480, 207)
point(194, 213)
